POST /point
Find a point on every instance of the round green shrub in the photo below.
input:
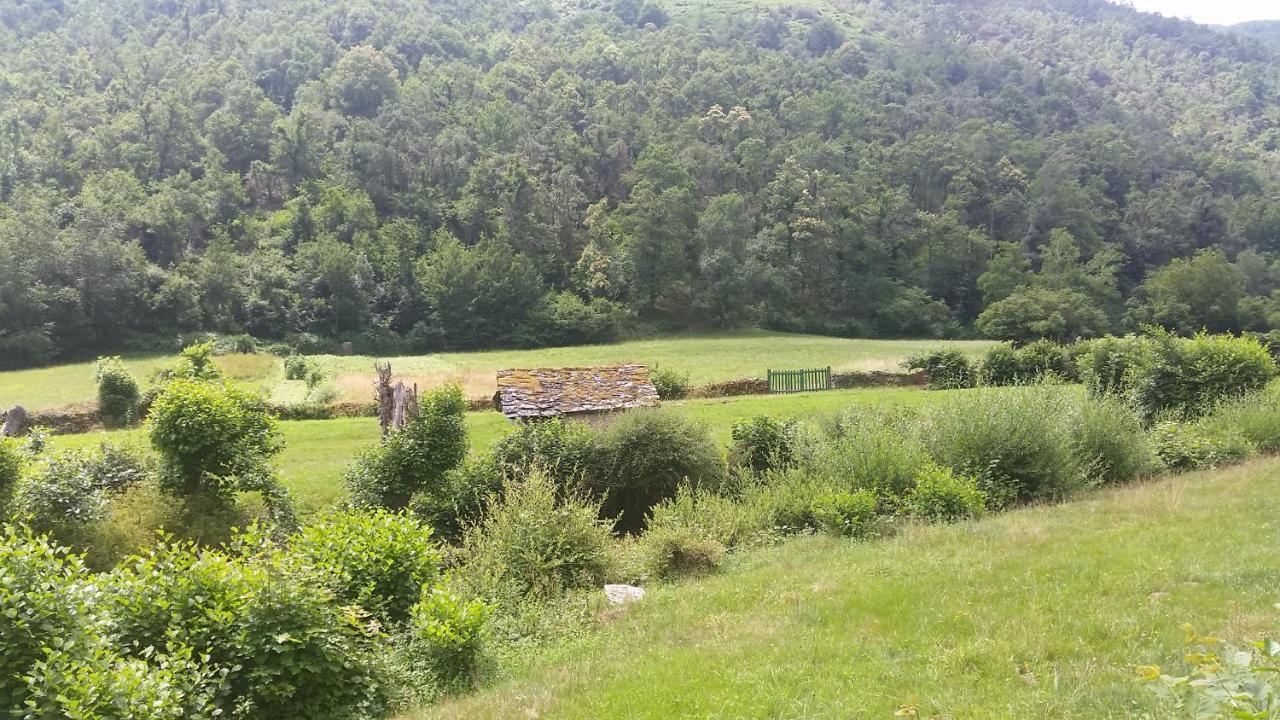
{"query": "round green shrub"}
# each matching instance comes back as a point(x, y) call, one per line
point(762, 443)
point(100, 684)
point(1109, 441)
point(870, 449)
point(1001, 366)
point(561, 448)
point(414, 459)
point(946, 369)
point(210, 435)
point(644, 457)
point(670, 384)
point(297, 367)
point(378, 560)
point(445, 636)
point(942, 496)
point(1017, 441)
point(847, 514)
point(537, 541)
point(118, 394)
point(679, 551)
point(64, 493)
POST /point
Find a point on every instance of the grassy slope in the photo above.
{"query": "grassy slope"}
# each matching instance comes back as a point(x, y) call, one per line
point(316, 451)
point(1044, 612)
point(707, 358)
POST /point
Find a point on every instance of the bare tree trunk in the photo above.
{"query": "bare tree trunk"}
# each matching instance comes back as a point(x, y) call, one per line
point(15, 422)
point(406, 405)
point(385, 396)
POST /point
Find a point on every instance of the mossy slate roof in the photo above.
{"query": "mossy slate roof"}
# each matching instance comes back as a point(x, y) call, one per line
point(554, 392)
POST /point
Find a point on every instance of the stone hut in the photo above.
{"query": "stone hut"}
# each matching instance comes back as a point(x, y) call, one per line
point(580, 393)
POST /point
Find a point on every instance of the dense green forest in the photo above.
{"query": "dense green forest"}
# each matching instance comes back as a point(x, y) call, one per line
point(1265, 31)
point(470, 173)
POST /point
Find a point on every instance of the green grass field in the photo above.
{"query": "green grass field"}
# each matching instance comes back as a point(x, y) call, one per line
point(707, 358)
point(316, 451)
point(1044, 612)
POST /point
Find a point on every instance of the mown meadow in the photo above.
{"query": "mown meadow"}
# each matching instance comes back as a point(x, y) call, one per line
point(705, 358)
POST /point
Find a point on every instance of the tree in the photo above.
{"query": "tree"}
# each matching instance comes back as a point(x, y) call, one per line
point(1202, 292)
point(479, 295)
point(362, 81)
point(1031, 313)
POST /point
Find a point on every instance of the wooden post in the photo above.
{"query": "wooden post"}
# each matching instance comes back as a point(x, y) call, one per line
point(385, 395)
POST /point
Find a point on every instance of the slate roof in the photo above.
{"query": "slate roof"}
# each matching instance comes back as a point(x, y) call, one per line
point(553, 392)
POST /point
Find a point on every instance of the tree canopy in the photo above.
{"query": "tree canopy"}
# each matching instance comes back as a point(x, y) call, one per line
point(471, 173)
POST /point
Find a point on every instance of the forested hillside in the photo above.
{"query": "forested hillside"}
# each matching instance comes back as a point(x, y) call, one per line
point(469, 173)
point(1264, 31)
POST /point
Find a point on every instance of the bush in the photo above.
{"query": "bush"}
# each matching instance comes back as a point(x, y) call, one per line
point(533, 544)
point(946, 369)
point(670, 384)
point(102, 685)
point(1189, 376)
point(44, 603)
point(1220, 682)
point(1105, 363)
point(942, 496)
point(1001, 366)
point(12, 461)
point(209, 436)
point(1255, 417)
point(297, 367)
point(118, 394)
point(561, 448)
point(1016, 441)
point(872, 450)
point(1190, 446)
point(1109, 441)
point(272, 633)
point(67, 492)
point(460, 500)
point(445, 638)
point(679, 551)
point(130, 523)
point(416, 458)
point(709, 515)
point(644, 457)
point(763, 443)
point(1006, 365)
point(847, 514)
point(378, 560)
point(782, 501)
point(195, 362)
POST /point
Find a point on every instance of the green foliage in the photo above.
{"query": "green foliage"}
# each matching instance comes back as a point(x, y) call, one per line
point(561, 448)
point(196, 362)
point(946, 369)
point(563, 318)
point(674, 551)
point(763, 443)
point(670, 384)
point(1255, 417)
point(1033, 313)
point(1220, 682)
point(377, 560)
point(210, 436)
point(273, 635)
point(643, 458)
point(65, 493)
point(536, 541)
point(297, 367)
point(444, 639)
point(1106, 363)
point(871, 450)
point(1016, 441)
point(942, 496)
point(1109, 440)
point(1191, 446)
point(414, 459)
point(846, 514)
point(460, 500)
point(12, 460)
point(1189, 295)
point(46, 603)
point(99, 684)
point(118, 394)
point(1191, 375)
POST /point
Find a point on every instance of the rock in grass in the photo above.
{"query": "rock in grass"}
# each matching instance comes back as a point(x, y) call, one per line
point(622, 594)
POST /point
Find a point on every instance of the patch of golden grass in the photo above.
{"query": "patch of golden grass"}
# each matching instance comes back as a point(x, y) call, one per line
point(475, 384)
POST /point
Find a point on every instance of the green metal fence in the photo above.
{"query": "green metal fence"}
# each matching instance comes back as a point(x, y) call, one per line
point(790, 381)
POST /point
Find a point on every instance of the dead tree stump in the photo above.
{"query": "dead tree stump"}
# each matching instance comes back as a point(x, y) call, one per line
point(385, 395)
